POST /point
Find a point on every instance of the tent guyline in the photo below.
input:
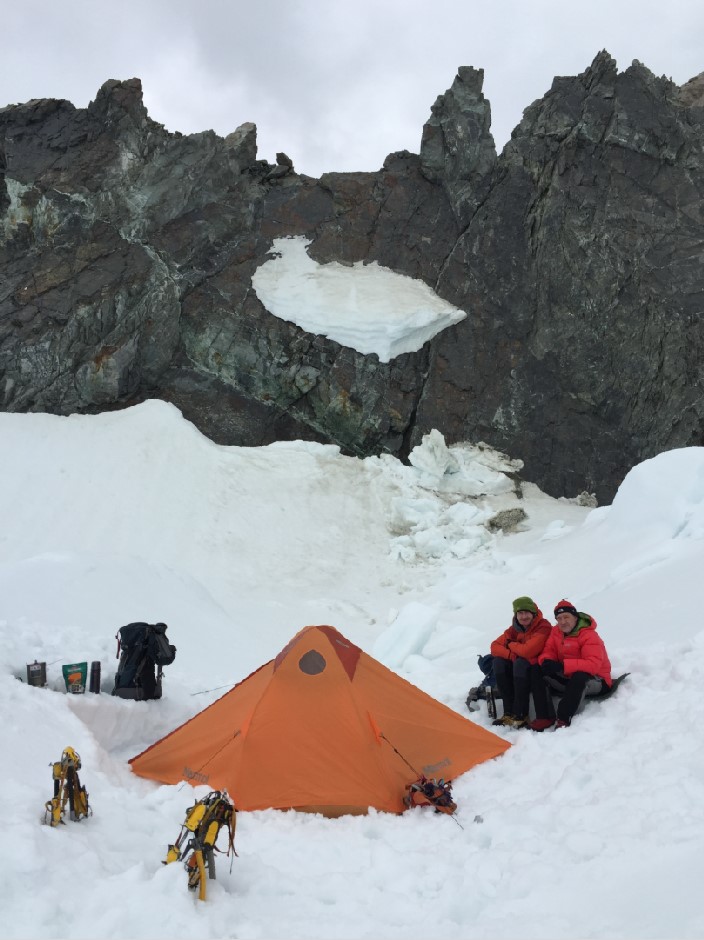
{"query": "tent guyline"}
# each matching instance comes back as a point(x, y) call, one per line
point(384, 738)
point(228, 685)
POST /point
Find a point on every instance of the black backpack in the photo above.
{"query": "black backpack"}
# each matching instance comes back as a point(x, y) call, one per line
point(142, 648)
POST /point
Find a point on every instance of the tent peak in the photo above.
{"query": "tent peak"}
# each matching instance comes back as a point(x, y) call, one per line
point(320, 641)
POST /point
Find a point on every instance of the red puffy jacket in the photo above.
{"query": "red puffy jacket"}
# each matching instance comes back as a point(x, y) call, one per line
point(527, 644)
point(582, 650)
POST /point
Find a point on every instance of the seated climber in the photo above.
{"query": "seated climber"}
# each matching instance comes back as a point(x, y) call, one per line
point(515, 654)
point(573, 663)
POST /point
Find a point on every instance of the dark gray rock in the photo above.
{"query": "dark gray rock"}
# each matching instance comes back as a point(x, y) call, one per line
point(582, 273)
point(127, 253)
point(457, 149)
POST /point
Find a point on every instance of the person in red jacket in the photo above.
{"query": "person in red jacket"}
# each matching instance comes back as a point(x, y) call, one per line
point(515, 654)
point(573, 664)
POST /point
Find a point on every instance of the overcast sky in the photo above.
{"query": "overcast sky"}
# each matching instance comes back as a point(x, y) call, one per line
point(335, 85)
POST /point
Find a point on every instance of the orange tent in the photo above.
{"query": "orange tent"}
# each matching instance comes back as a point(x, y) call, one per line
point(323, 728)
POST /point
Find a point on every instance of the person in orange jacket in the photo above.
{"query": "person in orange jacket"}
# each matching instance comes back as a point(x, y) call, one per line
point(573, 663)
point(515, 654)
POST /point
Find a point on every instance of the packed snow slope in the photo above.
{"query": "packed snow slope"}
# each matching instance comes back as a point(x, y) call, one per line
point(592, 831)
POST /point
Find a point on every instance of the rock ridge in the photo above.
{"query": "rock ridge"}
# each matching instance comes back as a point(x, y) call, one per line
point(127, 254)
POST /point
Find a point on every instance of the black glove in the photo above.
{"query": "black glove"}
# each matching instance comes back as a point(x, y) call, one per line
point(551, 668)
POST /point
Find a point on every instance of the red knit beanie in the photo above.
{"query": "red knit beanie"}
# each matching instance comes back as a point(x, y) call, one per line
point(566, 607)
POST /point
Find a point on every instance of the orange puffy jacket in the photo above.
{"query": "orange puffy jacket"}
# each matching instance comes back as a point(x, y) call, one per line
point(582, 650)
point(527, 644)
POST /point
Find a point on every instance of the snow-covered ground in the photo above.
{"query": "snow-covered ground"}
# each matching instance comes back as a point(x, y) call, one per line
point(593, 831)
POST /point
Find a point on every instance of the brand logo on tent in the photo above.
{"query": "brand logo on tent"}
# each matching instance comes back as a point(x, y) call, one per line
point(194, 775)
point(433, 768)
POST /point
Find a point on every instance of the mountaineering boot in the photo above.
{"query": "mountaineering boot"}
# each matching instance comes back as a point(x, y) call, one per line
point(511, 721)
point(505, 720)
point(541, 724)
point(562, 724)
point(517, 722)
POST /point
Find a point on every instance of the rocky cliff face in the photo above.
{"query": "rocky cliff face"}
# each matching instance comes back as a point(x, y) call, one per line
point(127, 255)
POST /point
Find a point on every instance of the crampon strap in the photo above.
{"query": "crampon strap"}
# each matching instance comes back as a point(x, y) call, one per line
point(430, 792)
point(68, 790)
point(203, 823)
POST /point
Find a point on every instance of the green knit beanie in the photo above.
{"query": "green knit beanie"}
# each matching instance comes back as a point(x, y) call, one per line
point(525, 603)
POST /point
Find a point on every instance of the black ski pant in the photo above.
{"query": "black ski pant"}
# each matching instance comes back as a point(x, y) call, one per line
point(548, 679)
point(513, 683)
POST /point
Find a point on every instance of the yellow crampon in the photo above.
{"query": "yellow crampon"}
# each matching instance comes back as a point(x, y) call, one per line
point(203, 823)
point(68, 790)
